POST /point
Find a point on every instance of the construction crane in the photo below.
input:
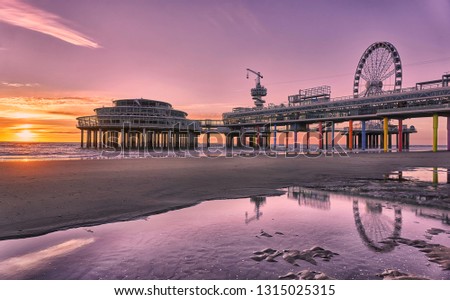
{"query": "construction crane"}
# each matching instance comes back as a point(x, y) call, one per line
point(258, 91)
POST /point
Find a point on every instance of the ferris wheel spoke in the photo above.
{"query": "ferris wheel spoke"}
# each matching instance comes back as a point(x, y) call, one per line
point(381, 63)
point(379, 60)
point(364, 76)
point(387, 75)
point(387, 69)
point(386, 66)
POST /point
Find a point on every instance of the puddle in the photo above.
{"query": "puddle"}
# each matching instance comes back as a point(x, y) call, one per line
point(217, 240)
point(430, 175)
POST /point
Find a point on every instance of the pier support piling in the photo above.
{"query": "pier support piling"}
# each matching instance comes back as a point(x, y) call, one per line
point(385, 134)
point(400, 136)
point(350, 135)
point(275, 136)
point(320, 136)
point(82, 138)
point(307, 137)
point(295, 138)
point(448, 134)
point(435, 132)
point(332, 136)
point(363, 135)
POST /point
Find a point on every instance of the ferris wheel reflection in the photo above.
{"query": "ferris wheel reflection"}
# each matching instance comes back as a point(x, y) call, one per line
point(376, 228)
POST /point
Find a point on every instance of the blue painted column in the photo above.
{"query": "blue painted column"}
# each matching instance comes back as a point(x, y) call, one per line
point(363, 135)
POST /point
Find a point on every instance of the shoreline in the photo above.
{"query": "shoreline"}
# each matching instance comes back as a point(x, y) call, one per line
point(38, 197)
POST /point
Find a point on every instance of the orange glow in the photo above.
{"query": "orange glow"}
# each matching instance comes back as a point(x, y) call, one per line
point(26, 136)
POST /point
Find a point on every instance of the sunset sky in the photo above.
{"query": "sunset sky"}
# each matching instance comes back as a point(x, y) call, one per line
point(62, 59)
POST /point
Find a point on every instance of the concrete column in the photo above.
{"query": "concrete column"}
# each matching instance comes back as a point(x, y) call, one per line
point(258, 136)
point(239, 139)
point(177, 140)
point(307, 137)
point(82, 138)
point(295, 139)
point(448, 135)
point(144, 138)
point(122, 139)
point(400, 136)
point(100, 132)
point(275, 136)
point(332, 135)
point(88, 142)
point(208, 139)
point(385, 133)
point(286, 140)
point(435, 132)
point(170, 139)
point(320, 136)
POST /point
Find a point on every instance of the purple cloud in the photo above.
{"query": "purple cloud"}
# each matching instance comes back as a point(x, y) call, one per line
point(18, 13)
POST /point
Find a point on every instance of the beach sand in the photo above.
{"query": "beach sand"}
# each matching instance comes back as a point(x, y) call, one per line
point(37, 197)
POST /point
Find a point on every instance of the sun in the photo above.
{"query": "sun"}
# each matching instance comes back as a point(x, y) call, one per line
point(25, 135)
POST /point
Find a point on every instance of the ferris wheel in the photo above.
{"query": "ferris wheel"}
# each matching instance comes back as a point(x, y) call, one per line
point(379, 70)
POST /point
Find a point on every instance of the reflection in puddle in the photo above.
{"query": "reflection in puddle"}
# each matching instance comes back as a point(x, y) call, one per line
point(426, 213)
point(369, 235)
point(311, 198)
point(36, 259)
point(258, 201)
point(434, 175)
point(378, 230)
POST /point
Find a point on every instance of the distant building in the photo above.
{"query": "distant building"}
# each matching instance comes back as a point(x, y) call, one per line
point(138, 123)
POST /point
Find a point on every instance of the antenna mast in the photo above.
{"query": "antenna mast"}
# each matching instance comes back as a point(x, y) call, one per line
point(258, 91)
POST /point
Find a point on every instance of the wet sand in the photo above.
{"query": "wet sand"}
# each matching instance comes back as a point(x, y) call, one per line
point(42, 196)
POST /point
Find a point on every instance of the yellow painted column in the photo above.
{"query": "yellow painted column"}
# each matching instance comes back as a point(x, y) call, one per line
point(385, 134)
point(435, 132)
point(435, 175)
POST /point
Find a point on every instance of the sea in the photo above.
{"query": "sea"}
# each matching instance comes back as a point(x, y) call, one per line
point(20, 151)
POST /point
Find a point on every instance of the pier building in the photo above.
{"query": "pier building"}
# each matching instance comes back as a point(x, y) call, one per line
point(138, 123)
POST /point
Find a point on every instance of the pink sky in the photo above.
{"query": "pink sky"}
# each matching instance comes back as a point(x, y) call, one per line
point(194, 53)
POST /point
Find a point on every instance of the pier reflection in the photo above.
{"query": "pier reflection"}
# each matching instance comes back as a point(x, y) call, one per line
point(310, 198)
point(434, 175)
point(375, 228)
point(429, 214)
point(258, 201)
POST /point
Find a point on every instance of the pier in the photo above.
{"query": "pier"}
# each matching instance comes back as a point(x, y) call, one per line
point(367, 117)
point(374, 117)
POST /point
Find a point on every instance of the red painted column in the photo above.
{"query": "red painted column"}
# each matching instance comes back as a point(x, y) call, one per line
point(350, 135)
point(400, 135)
